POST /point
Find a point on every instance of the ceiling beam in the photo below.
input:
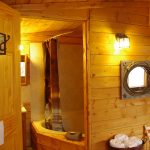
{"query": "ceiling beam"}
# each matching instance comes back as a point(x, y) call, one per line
point(69, 11)
point(9, 10)
point(52, 6)
point(61, 14)
point(78, 5)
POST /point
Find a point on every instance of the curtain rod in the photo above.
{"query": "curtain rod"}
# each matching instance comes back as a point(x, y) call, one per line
point(54, 37)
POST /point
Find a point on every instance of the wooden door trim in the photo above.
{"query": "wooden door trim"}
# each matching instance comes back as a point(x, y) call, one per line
point(85, 84)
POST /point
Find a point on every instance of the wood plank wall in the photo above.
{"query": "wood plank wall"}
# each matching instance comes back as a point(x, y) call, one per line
point(10, 104)
point(27, 105)
point(109, 114)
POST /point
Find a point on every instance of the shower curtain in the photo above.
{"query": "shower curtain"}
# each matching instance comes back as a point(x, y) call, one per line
point(52, 93)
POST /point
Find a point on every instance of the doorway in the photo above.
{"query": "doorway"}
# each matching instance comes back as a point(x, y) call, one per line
point(67, 37)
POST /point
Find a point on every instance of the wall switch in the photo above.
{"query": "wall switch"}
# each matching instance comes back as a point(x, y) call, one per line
point(1, 132)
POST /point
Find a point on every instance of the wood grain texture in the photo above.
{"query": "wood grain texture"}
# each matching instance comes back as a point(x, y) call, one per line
point(85, 84)
point(79, 4)
point(24, 129)
point(10, 104)
point(105, 107)
point(64, 36)
point(60, 15)
point(28, 123)
point(109, 114)
point(29, 25)
point(48, 139)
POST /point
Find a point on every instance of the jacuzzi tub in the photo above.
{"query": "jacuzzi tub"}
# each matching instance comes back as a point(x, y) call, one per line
point(45, 139)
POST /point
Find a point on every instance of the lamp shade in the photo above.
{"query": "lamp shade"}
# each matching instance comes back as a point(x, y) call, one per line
point(122, 40)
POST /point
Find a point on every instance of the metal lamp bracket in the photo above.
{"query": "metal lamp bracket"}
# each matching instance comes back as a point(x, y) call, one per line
point(3, 40)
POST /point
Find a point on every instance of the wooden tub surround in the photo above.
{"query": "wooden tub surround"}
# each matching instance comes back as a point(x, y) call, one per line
point(44, 139)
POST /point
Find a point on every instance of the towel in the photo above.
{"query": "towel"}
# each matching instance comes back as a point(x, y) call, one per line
point(116, 144)
point(123, 141)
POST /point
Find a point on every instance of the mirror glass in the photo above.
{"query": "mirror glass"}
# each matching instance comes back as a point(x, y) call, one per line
point(137, 78)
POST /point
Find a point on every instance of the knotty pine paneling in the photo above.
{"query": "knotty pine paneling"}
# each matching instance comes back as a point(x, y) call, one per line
point(101, 12)
point(109, 38)
point(8, 1)
point(121, 123)
point(6, 88)
point(59, 14)
point(36, 1)
point(130, 130)
point(104, 93)
point(127, 1)
point(115, 59)
point(63, 1)
point(122, 110)
point(108, 49)
point(28, 123)
point(47, 26)
point(109, 114)
point(10, 103)
point(115, 27)
point(105, 71)
point(117, 15)
point(105, 82)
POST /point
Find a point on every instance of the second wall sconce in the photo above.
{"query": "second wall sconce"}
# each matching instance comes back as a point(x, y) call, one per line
point(122, 41)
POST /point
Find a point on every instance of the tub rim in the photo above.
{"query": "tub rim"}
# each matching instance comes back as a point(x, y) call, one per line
point(40, 130)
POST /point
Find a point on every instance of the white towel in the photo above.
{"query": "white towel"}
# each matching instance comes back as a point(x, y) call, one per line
point(116, 144)
point(123, 141)
point(121, 137)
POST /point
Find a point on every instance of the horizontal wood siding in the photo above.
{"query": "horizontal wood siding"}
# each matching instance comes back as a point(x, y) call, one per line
point(109, 114)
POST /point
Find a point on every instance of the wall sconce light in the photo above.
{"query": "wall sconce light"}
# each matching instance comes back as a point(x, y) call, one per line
point(21, 47)
point(3, 42)
point(122, 41)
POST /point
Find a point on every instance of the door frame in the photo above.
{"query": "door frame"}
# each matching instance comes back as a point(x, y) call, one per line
point(86, 58)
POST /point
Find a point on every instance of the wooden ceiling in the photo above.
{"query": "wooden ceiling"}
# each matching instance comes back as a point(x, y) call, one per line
point(12, 2)
point(30, 25)
point(35, 23)
point(37, 30)
point(51, 9)
point(36, 27)
point(61, 16)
